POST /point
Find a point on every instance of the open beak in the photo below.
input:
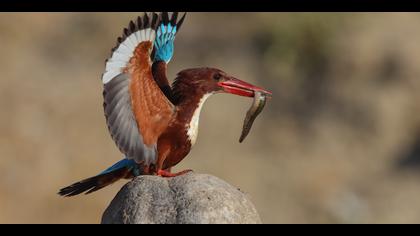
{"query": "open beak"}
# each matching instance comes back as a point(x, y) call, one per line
point(241, 88)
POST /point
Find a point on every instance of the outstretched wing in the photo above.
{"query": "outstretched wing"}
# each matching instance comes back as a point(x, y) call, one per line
point(136, 110)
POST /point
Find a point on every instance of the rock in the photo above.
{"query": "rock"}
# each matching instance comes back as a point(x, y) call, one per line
point(187, 199)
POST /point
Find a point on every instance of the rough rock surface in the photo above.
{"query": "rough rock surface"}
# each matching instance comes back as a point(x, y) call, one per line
point(187, 199)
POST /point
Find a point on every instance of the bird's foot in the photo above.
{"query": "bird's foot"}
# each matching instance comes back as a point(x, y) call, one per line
point(164, 173)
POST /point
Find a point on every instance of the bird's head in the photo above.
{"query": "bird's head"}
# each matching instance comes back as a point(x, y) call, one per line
point(211, 80)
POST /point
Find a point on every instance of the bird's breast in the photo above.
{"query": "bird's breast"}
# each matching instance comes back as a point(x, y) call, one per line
point(182, 133)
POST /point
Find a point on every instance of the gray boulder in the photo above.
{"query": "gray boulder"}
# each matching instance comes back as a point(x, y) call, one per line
point(186, 199)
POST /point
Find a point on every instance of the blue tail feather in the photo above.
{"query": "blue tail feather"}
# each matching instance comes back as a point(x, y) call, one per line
point(124, 163)
point(122, 169)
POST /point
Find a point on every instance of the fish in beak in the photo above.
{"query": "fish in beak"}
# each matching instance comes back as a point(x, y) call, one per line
point(241, 88)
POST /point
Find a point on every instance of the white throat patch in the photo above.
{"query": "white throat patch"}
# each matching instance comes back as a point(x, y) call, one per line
point(192, 127)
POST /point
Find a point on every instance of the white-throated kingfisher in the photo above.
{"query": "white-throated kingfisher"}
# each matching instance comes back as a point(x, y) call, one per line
point(153, 123)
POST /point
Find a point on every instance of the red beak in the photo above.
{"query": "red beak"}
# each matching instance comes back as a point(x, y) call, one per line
point(241, 88)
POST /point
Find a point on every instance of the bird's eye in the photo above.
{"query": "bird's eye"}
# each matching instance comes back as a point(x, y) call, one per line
point(217, 76)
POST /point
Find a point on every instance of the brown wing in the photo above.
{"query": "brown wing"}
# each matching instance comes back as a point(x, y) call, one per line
point(151, 108)
point(136, 110)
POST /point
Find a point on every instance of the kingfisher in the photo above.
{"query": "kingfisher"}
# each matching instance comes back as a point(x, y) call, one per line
point(152, 122)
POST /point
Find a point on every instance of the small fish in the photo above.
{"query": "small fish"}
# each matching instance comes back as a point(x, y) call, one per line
point(253, 112)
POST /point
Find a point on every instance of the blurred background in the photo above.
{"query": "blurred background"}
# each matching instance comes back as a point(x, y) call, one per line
point(338, 143)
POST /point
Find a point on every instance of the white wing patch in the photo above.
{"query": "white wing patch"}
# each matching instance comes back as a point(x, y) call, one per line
point(122, 55)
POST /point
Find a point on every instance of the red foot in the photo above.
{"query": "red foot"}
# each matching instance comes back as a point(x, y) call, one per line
point(164, 173)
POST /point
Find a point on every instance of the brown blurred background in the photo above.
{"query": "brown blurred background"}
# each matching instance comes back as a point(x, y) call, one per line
point(338, 143)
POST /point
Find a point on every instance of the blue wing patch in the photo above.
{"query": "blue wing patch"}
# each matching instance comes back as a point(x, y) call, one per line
point(165, 36)
point(164, 43)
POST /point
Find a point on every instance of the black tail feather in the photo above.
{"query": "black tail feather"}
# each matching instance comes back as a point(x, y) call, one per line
point(94, 183)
